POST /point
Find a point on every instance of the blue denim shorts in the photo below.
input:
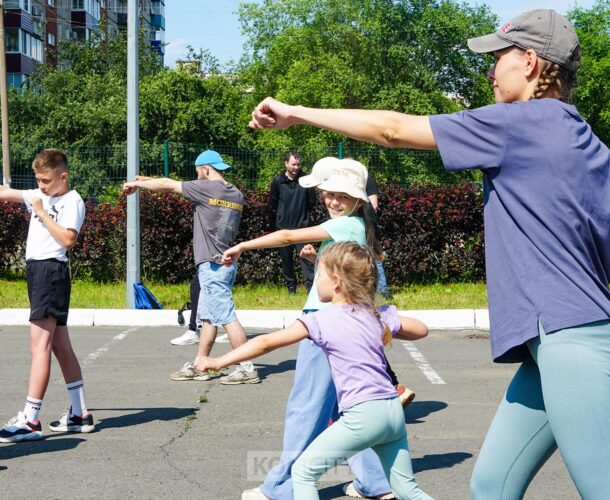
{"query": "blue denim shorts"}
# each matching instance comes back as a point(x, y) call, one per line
point(215, 300)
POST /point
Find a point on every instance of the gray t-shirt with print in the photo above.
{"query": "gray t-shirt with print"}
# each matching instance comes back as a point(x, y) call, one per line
point(218, 208)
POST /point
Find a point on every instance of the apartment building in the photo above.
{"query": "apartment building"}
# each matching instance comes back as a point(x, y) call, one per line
point(34, 28)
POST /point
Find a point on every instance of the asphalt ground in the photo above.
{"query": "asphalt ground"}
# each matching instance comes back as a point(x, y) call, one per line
point(161, 439)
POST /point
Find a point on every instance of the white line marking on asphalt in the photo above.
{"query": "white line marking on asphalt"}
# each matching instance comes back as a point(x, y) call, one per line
point(106, 347)
point(422, 363)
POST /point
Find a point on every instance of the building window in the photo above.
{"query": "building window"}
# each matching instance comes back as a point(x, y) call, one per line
point(51, 39)
point(12, 40)
point(51, 3)
point(19, 4)
point(31, 47)
point(157, 8)
point(14, 80)
point(90, 6)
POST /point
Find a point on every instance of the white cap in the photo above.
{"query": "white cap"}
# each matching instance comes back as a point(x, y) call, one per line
point(321, 170)
point(348, 176)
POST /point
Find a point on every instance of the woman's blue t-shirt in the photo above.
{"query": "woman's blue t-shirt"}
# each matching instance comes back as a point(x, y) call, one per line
point(547, 215)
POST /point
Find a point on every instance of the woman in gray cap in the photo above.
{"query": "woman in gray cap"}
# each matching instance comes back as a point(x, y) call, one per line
point(547, 234)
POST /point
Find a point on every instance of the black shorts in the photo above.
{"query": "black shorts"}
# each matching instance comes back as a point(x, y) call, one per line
point(48, 289)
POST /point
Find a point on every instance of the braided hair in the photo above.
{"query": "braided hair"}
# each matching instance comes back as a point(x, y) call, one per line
point(557, 79)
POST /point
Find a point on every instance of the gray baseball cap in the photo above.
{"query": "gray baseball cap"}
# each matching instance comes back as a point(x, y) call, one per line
point(548, 33)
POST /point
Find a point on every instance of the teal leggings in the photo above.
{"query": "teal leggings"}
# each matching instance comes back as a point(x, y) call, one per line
point(379, 425)
point(560, 397)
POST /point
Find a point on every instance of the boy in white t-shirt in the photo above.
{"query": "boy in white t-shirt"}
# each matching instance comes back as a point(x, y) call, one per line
point(57, 217)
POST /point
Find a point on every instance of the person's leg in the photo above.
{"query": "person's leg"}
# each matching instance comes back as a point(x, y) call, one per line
point(519, 440)
point(307, 268)
point(287, 256)
point(63, 351)
point(78, 418)
point(394, 454)
point(207, 336)
point(191, 336)
point(208, 330)
point(390, 372)
point(344, 438)
point(311, 404)
point(370, 478)
point(382, 284)
point(405, 395)
point(575, 370)
point(41, 344)
point(359, 428)
point(195, 290)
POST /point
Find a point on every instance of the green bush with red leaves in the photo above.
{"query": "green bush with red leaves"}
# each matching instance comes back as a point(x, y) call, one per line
point(429, 233)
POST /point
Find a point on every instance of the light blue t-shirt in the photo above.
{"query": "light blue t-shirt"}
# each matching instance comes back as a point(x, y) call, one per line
point(547, 215)
point(340, 229)
point(352, 339)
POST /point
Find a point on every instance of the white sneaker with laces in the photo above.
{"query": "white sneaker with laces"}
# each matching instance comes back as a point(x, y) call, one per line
point(187, 338)
point(19, 429)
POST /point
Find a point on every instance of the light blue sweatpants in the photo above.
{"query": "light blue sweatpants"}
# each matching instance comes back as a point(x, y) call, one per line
point(378, 424)
point(560, 397)
point(311, 404)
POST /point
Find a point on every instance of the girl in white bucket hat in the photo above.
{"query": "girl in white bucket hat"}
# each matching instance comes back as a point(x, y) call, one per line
point(547, 244)
point(313, 400)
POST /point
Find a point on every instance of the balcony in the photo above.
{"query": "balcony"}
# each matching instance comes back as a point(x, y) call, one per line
point(157, 21)
point(19, 19)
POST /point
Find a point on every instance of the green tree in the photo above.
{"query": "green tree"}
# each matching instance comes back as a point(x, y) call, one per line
point(592, 96)
point(392, 54)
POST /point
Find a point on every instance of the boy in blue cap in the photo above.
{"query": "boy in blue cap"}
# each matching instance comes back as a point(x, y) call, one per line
point(218, 208)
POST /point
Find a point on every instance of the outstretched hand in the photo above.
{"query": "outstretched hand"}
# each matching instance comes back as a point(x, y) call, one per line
point(130, 187)
point(270, 113)
point(230, 256)
point(308, 252)
point(206, 363)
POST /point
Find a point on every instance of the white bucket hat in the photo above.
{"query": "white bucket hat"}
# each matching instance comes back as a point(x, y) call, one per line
point(321, 170)
point(348, 176)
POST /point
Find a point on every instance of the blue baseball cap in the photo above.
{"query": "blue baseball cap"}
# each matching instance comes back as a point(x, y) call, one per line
point(213, 159)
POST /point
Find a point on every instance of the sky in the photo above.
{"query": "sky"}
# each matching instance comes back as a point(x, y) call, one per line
point(214, 24)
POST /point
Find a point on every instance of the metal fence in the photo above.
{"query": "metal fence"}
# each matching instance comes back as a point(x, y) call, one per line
point(99, 170)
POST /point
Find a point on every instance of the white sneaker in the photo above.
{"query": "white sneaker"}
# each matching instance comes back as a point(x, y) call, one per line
point(187, 338)
point(223, 338)
point(351, 491)
point(253, 494)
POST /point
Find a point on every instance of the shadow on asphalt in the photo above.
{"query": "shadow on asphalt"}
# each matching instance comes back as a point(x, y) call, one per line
point(331, 492)
point(142, 416)
point(442, 461)
point(420, 409)
point(27, 448)
point(284, 366)
point(2, 467)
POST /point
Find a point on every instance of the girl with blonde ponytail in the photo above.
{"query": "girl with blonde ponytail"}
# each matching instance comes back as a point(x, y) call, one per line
point(351, 331)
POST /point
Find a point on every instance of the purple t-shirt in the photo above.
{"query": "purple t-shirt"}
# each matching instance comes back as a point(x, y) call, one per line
point(547, 215)
point(352, 339)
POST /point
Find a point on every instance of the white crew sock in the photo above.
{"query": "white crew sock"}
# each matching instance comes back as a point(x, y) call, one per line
point(32, 409)
point(76, 391)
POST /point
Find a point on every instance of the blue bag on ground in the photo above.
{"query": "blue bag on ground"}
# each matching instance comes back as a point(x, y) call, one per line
point(145, 298)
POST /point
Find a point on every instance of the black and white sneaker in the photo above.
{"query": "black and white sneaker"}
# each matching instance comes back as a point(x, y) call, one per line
point(19, 429)
point(73, 423)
